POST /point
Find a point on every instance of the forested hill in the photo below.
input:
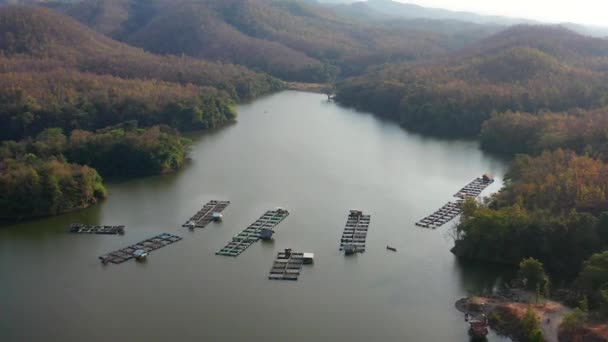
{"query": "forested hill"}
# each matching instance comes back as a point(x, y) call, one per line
point(37, 39)
point(525, 68)
point(290, 39)
point(63, 74)
point(59, 79)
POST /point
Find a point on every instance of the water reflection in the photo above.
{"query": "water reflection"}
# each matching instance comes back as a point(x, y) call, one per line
point(482, 278)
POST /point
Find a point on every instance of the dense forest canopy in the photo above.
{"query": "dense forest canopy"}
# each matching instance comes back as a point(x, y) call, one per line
point(36, 39)
point(31, 102)
point(35, 187)
point(127, 152)
point(291, 39)
point(44, 175)
point(526, 68)
point(583, 131)
point(122, 150)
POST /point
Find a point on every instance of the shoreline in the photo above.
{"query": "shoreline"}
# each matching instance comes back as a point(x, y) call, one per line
point(9, 221)
point(319, 88)
point(505, 315)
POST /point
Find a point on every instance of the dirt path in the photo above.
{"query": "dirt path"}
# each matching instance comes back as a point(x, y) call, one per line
point(552, 317)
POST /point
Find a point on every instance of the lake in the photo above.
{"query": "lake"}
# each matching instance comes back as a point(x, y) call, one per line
point(292, 149)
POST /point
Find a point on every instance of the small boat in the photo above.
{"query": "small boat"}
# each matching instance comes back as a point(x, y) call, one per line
point(140, 254)
point(190, 224)
point(391, 248)
point(217, 217)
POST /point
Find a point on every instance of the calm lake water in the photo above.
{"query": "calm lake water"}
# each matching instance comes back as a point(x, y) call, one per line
point(291, 149)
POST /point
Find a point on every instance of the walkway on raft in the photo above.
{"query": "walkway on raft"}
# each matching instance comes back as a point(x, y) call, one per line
point(251, 234)
point(287, 266)
point(205, 215)
point(78, 228)
point(452, 209)
point(147, 245)
point(355, 232)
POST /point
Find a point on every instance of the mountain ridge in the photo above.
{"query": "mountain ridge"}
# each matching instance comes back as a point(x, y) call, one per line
point(390, 9)
point(525, 68)
point(43, 39)
point(293, 40)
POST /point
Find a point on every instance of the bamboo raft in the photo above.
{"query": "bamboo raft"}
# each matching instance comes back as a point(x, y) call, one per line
point(355, 232)
point(475, 188)
point(147, 245)
point(251, 234)
point(205, 215)
point(442, 216)
point(452, 209)
point(78, 228)
point(287, 266)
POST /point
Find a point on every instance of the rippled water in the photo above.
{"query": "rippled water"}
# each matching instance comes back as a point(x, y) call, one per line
point(291, 149)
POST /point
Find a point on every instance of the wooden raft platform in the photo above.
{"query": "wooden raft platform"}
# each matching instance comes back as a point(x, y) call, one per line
point(452, 209)
point(147, 245)
point(205, 215)
point(442, 216)
point(475, 188)
point(355, 232)
point(78, 228)
point(251, 234)
point(287, 266)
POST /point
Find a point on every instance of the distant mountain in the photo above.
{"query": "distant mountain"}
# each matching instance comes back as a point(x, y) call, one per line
point(290, 39)
point(594, 31)
point(390, 9)
point(395, 9)
point(525, 68)
point(459, 32)
point(559, 42)
point(336, 1)
point(56, 72)
point(38, 39)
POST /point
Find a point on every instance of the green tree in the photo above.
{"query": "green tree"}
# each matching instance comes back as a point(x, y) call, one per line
point(530, 325)
point(532, 274)
point(50, 142)
point(574, 320)
point(593, 279)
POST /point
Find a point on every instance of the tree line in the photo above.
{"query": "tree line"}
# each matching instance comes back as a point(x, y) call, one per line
point(31, 102)
point(54, 173)
point(455, 96)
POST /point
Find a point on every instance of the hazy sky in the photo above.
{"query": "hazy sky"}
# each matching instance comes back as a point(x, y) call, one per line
point(593, 12)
